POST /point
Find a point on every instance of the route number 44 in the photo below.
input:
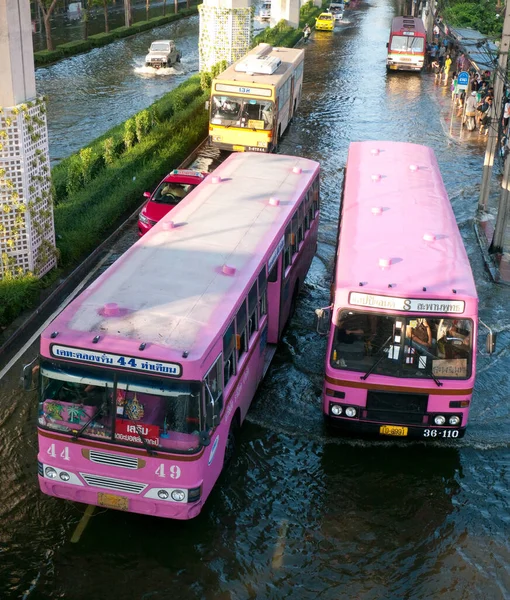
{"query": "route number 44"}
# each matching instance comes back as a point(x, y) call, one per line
point(174, 472)
point(64, 454)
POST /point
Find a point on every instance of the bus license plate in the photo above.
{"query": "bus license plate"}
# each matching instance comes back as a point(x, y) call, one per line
point(112, 501)
point(393, 430)
point(238, 148)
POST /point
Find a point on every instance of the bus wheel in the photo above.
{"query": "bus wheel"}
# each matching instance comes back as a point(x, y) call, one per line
point(232, 440)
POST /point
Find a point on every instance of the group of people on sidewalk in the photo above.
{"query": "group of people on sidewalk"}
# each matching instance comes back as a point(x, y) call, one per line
point(479, 101)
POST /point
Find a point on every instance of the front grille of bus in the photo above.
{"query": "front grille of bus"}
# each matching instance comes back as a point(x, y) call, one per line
point(118, 485)
point(393, 407)
point(113, 460)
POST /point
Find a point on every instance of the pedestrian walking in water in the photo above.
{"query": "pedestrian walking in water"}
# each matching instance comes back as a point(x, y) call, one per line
point(447, 65)
point(436, 69)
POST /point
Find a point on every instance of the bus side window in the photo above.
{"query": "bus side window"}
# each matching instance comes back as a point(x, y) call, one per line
point(307, 211)
point(263, 291)
point(301, 234)
point(229, 354)
point(294, 238)
point(214, 392)
point(252, 311)
point(241, 337)
point(287, 256)
point(315, 190)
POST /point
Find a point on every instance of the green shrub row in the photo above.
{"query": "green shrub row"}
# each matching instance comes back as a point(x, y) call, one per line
point(45, 57)
point(83, 221)
point(70, 175)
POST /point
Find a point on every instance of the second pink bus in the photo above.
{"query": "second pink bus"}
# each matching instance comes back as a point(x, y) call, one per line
point(146, 377)
point(401, 355)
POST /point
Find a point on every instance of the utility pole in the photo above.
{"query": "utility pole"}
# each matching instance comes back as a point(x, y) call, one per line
point(498, 99)
point(496, 246)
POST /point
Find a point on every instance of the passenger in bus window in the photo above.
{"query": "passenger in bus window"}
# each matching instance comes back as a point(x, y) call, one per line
point(418, 330)
point(453, 338)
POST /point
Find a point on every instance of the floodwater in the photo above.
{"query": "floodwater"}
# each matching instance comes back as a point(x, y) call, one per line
point(90, 93)
point(301, 513)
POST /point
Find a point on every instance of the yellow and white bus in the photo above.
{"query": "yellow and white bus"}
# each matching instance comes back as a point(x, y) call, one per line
point(253, 101)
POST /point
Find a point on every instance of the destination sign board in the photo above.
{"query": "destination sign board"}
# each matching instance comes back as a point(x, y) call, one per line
point(116, 360)
point(240, 89)
point(419, 305)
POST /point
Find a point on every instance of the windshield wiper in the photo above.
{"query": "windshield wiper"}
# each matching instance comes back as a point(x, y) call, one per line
point(146, 445)
point(95, 416)
point(421, 353)
point(382, 349)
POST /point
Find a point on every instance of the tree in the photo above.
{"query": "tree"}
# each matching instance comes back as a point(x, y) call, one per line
point(47, 7)
point(104, 4)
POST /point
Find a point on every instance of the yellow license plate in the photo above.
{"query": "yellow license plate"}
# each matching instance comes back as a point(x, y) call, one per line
point(239, 148)
point(112, 501)
point(393, 430)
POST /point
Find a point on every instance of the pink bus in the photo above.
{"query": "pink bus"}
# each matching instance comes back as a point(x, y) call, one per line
point(146, 377)
point(403, 316)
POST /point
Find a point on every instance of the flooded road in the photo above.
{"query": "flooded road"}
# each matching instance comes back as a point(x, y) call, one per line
point(302, 514)
point(92, 92)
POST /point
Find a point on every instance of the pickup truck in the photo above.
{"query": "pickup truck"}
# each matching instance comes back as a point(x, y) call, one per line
point(162, 53)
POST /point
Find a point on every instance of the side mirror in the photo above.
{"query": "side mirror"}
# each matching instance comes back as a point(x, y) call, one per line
point(207, 105)
point(323, 319)
point(146, 194)
point(490, 342)
point(29, 376)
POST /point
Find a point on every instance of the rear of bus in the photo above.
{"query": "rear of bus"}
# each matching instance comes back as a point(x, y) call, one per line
point(253, 100)
point(402, 324)
point(407, 44)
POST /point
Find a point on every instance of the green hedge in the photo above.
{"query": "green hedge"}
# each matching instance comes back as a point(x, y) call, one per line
point(162, 110)
point(17, 295)
point(45, 57)
point(72, 48)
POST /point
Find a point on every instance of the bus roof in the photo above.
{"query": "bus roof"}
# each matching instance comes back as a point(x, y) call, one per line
point(399, 236)
point(171, 289)
point(400, 24)
point(287, 56)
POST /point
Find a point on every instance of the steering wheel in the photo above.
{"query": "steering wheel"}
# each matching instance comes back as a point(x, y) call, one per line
point(67, 392)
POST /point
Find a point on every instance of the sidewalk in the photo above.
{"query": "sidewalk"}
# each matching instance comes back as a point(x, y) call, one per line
point(484, 222)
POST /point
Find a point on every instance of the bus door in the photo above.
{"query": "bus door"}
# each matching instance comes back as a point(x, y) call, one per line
point(273, 300)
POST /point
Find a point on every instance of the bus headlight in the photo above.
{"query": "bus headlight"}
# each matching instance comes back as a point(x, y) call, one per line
point(163, 494)
point(216, 138)
point(64, 476)
point(350, 411)
point(143, 219)
point(439, 420)
point(454, 420)
point(336, 410)
point(178, 495)
point(50, 473)
point(262, 144)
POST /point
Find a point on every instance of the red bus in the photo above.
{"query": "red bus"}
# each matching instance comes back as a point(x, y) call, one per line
point(407, 44)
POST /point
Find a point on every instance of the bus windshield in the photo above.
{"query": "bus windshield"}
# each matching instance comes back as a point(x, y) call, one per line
point(407, 43)
point(402, 346)
point(121, 407)
point(242, 112)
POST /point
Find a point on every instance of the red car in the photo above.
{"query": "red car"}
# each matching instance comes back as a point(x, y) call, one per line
point(174, 187)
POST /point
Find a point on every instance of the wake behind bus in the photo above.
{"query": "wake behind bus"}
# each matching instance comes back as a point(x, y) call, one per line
point(407, 44)
point(146, 377)
point(403, 319)
point(253, 100)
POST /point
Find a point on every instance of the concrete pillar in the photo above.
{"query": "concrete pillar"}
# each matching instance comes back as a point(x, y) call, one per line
point(225, 31)
point(16, 53)
point(287, 10)
point(27, 237)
